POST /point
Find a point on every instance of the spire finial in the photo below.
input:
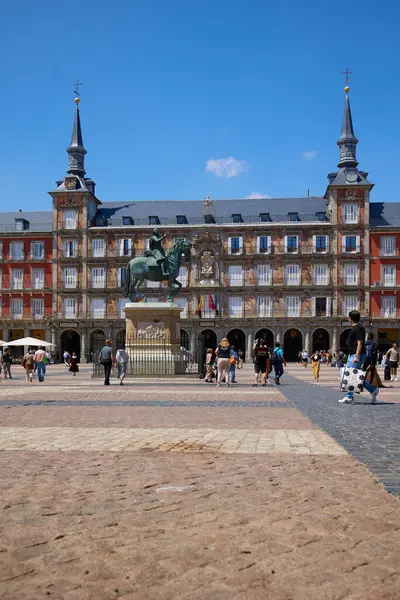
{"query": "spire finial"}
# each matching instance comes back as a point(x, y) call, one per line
point(347, 73)
point(76, 150)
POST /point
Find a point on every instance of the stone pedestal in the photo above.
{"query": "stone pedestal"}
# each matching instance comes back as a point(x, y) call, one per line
point(153, 338)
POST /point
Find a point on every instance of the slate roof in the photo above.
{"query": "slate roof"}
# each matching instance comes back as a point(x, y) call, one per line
point(40, 221)
point(384, 214)
point(250, 209)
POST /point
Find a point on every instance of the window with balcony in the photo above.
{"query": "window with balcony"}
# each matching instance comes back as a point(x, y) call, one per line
point(351, 213)
point(264, 274)
point(17, 308)
point(264, 306)
point(98, 306)
point(321, 307)
point(292, 274)
point(70, 248)
point(121, 307)
point(98, 247)
point(70, 308)
point(124, 247)
point(37, 251)
point(388, 245)
point(263, 244)
point(389, 275)
point(350, 303)
point(351, 274)
point(70, 219)
point(70, 278)
point(235, 306)
point(320, 275)
point(183, 304)
point(388, 310)
point(121, 276)
point(292, 306)
point(37, 308)
point(98, 277)
point(235, 275)
point(183, 276)
point(291, 243)
point(17, 251)
point(320, 243)
point(235, 245)
point(17, 279)
point(351, 243)
point(38, 279)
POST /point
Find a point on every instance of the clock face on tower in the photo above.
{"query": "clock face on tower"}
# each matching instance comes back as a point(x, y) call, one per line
point(351, 176)
point(70, 183)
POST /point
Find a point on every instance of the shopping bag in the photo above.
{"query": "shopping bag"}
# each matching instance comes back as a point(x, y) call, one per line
point(352, 380)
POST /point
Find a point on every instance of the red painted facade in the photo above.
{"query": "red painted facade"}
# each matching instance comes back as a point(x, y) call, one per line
point(382, 286)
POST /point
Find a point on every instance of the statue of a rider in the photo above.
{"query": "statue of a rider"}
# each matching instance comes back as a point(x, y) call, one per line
point(157, 250)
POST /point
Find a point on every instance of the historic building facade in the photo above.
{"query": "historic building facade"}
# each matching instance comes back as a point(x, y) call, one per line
point(289, 270)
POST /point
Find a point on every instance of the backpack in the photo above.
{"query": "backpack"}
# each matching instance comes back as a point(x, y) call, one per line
point(274, 357)
point(371, 351)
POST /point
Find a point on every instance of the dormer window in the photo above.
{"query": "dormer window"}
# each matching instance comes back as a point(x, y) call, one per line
point(293, 216)
point(237, 218)
point(154, 221)
point(209, 219)
point(265, 217)
point(321, 216)
point(127, 221)
point(21, 224)
point(181, 220)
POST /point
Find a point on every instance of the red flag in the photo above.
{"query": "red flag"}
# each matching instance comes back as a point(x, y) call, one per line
point(211, 304)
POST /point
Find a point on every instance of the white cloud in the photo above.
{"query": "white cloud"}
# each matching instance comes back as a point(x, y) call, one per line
point(309, 154)
point(257, 196)
point(227, 167)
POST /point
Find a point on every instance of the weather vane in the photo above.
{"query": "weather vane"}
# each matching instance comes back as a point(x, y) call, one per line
point(77, 85)
point(347, 73)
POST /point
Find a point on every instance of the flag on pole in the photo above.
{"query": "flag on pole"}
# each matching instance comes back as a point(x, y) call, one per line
point(200, 305)
point(211, 304)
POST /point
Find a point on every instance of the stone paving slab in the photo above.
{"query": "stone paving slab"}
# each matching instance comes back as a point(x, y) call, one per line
point(115, 439)
point(48, 415)
point(168, 526)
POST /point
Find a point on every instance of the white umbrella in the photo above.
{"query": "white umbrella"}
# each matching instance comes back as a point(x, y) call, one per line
point(2, 343)
point(29, 341)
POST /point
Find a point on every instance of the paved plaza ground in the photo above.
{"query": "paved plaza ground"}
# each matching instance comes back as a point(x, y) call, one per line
point(175, 489)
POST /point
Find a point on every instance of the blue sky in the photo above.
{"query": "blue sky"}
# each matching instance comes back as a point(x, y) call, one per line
point(187, 98)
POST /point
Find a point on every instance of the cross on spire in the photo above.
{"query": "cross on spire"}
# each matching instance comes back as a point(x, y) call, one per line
point(77, 85)
point(347, 73)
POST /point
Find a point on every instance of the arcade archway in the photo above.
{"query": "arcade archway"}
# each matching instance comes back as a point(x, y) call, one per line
point(120, 339)
point(320, 340)
point(185, 340)
point(208, 339)
point(237, 338)
point(292, 344)
point(97, 341)
point(343, 340)
point(70, 342)
point(267, 335)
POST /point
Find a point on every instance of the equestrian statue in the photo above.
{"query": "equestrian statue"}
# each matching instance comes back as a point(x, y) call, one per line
point(156, 265)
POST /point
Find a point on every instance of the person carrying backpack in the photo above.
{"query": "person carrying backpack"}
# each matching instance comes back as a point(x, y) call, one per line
point(278, 361)
point(28, 363)
point(7, 360)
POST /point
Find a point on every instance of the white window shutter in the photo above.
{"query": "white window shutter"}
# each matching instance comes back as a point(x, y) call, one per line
point(119, 277)
point(130, 245)
point(313, 299)
point(120, 247)
point(328, 306)
point(343, 243)
point(327, 242)
point(286, 243)
point(269, 244)
point(229, 245)
point(240, 245)
point(258, 244)
point(314, 243)
point(358, 240)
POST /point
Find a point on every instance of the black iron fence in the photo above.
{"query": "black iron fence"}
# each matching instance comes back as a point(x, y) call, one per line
point(154, 357)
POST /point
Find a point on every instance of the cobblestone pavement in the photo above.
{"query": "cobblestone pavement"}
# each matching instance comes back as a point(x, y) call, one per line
point(179, 490)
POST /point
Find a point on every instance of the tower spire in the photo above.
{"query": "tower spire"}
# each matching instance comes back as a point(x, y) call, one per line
point(76, 150)
point(347, 142)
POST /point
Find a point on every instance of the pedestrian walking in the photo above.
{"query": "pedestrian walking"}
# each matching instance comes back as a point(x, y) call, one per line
point(74, 368)
point(28, 363)
point(7, 361)
point(67, 358)
point(240, 359)
point(304, 358)
point(40, 356)
point(371, 359)
point(48, 358)
point(392, 356)
point(261, 362)
point(209, 365)
point(233, 360)
point(223, 353)
point(106, 358)
point(357, 355)
point(122, 360)
point(278, 361)
point(315, 363)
